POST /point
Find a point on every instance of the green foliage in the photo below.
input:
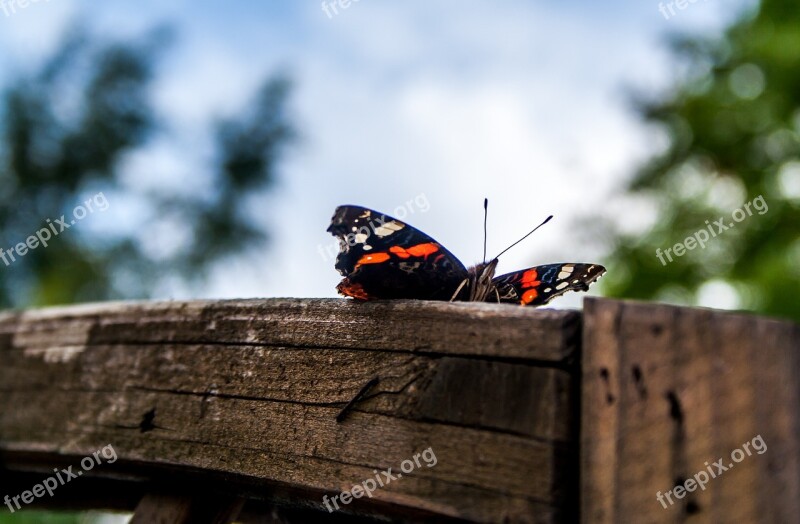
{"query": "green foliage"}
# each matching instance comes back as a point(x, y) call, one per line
point(733, 128)
point(43, 517)
point(40, 517)
point(27, 516)
point(66, 130)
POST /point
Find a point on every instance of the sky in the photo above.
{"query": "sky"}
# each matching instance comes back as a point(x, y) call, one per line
point(419, 109)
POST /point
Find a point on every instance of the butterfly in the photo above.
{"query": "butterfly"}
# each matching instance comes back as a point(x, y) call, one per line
point(381, 257)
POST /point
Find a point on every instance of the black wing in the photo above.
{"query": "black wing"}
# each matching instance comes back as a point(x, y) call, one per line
point(540, 284)
point(382, 257)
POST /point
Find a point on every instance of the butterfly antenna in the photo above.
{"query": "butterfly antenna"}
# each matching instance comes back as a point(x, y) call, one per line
point(546, 220)
point(485, 217)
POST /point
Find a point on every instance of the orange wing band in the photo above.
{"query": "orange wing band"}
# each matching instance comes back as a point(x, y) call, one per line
point(529, 281)
point(420, 250)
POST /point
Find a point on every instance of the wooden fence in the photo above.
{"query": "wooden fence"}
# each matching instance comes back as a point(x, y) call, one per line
point(218, 411)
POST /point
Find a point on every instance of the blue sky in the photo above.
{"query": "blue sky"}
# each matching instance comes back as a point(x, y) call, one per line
point(447, 101)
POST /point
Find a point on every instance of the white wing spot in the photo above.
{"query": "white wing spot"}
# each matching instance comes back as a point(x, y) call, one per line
point(562, 285)
point(566, 271)
point(360, 238)
point(388, 228)
point(366, 247)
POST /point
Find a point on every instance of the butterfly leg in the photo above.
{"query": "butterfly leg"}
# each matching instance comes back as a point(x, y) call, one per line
point(460, 287)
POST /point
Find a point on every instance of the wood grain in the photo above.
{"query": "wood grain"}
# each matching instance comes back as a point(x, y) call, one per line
point(244, 394)
point(667, 391)
point(491, 330)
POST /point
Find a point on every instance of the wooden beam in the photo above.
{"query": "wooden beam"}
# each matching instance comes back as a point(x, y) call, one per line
point(246, 393)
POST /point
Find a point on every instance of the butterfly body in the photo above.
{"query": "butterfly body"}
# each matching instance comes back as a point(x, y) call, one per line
point(381, 257)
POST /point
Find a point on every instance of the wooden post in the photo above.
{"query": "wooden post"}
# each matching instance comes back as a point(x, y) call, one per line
point(667, 392)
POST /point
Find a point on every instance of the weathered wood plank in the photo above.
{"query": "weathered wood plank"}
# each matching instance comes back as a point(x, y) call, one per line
point(284, 436)
point(668, 391)
point(248, 392)
point(490, 330)
point(515, 398)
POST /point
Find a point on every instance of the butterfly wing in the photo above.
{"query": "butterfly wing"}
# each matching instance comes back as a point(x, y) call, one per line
point(382, 257)
point(540, 284)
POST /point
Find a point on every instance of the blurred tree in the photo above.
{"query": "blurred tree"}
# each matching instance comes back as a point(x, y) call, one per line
point(66, 130)
point(733, 128)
